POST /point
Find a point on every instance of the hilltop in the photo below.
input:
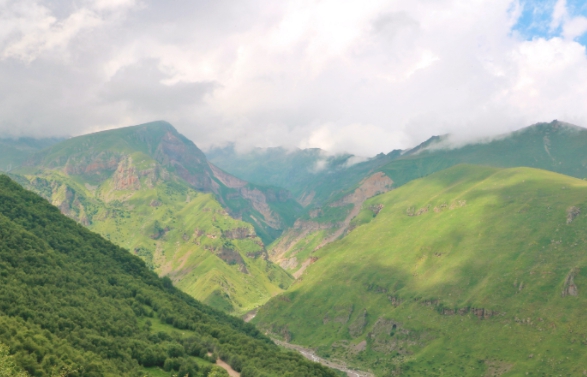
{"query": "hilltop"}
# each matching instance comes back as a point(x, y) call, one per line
point(149, 189)
point(469, 271)
point(554, 146)
point(73, 303)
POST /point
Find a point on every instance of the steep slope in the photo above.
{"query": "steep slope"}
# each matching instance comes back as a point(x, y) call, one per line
point(313, 176)
point(150, 190)
point(554, 146)
point(16, 151)
point(471, 271)
point(74, 304)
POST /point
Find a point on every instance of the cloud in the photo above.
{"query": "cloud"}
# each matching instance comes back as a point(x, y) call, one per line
point(362, 77)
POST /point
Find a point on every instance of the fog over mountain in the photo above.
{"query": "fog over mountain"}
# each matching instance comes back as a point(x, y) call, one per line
point(343, 76)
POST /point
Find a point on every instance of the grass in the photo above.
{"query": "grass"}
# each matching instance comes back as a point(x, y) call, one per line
point(498, 240)
point(176, 238)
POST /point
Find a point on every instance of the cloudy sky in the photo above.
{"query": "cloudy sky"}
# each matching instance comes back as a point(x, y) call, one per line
point(357, 76)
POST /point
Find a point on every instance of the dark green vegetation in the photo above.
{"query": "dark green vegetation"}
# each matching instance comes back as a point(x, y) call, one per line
point(73, 303)
point(16, 151)
point(472, 271)
point(150, 190)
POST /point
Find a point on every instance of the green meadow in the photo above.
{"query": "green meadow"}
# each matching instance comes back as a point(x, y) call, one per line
point(470, 271)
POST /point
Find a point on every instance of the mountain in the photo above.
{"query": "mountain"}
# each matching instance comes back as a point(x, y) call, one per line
point(471, 271)
point(313, 176)
point(149, 189)
point(16, 151)
point(74, 304)
point(554, 146)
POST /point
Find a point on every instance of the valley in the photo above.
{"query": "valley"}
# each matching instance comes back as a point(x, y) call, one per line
point(439, 260)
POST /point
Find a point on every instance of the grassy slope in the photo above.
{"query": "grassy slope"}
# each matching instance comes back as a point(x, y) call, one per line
point(75, 304)
point(508, 250)
point(178, 239)
point(554, 146)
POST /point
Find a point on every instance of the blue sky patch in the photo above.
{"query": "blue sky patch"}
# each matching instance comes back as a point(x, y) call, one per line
point(536, 17)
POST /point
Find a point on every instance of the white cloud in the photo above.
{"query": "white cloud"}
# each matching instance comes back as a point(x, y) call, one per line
point(363, 77)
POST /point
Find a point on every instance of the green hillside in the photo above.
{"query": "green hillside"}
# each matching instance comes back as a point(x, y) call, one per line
point(313, 176)
point(74, 304)
point(471, 271)
point(16, 151)
point(554, 146)
point(150, 190)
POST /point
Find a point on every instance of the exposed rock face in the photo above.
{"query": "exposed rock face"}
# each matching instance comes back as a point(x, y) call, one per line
point(305, 265)
point(239, 233)
point(572, 213)
point(125, 177)
point(306, 198)
point(375, 184)
point(69, 202)
point(92, 164)
point(570, 288)
point(229, 256)
point(300, 230)
point(187, 161)
point(378, 183)
point(259, 202)
point(227, 179)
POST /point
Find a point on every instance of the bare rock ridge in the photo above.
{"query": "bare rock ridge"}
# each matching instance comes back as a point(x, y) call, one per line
point(375, 184)
point(569, 287)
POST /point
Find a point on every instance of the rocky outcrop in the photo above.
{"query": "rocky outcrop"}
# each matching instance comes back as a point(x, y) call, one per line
point(226, 179)
point(230, 256)
point(90, 164)
point(259, 202)
point(569, 287)
point(572, 213)
point(125, 177)
point(300, 230)
point(305, 264)
point(239, 233)
point(186, 160)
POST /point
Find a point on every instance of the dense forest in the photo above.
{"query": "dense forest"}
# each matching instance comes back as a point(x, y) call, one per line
point(74, 304)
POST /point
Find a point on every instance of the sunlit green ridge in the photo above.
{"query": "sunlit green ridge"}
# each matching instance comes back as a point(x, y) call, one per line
point(470, 271)
point(150, 190)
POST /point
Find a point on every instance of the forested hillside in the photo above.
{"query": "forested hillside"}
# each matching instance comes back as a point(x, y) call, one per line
point(73, 303)
point(150, 190)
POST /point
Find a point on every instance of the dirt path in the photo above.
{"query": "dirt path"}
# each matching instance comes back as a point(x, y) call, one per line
point(228, 368)
point(309, 354)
